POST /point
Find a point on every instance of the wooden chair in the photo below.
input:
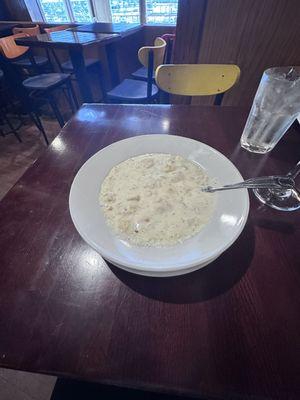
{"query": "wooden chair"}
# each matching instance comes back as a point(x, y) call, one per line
point(197, 79)
point(138, 91)
point(39, 86)
point(31, 31)
point(67, 66)
point(56, 28)
point(160, 46)
point(24, 62)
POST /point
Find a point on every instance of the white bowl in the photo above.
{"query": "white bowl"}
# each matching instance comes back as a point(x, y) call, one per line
point(227, 222)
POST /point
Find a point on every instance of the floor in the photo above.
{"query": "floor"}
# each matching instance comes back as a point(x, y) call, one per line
point(19, 385)
point(15, 158)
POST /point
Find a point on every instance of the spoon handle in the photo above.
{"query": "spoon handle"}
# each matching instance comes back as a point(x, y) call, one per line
point(269, 182)
point(294, 172)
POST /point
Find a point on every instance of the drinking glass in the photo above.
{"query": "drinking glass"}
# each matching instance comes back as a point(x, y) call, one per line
point(275, 107)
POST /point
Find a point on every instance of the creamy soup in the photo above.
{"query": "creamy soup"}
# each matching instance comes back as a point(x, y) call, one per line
point(156, 200)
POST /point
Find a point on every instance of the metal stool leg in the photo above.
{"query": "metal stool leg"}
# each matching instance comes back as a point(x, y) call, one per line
point(6, 119)
point(68, 98)
point(56, 111)
point(36, 119)
point(73, 94)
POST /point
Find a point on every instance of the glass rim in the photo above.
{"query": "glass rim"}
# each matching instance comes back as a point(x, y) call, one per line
point(270, 70)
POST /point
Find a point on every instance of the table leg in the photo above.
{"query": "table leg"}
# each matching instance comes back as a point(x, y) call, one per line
point(112, 64)
point(81, 74)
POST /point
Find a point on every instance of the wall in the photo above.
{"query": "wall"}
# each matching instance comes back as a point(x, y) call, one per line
point(3, 12)
point(254, 34)
point(152, 31)
point(17, 10)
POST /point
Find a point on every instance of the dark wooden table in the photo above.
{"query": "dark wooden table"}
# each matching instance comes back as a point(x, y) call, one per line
point(122, 29)
point(104, 27)
point(230, 330)
point(74, 43)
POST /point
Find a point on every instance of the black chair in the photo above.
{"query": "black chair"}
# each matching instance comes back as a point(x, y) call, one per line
point(41, 86)
point(41, 62)
point(139, 91)
point(7, 104)
point(4, 119)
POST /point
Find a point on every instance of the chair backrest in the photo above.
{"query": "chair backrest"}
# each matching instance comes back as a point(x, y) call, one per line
point(158, 51)
point(56, 28)
point(170, 40)
point(32, 31)
point(10, 49)
point(197, 79)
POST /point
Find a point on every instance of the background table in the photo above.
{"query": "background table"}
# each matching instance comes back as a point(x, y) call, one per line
point(105, 27)
point(229, 330)
point(74, 43)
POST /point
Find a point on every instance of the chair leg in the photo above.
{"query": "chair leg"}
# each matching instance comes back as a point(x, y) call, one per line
point(7, 120)
point(56, 111)
point(38, 123)
point(73, 94)
point(218, 99)
point(68, 98)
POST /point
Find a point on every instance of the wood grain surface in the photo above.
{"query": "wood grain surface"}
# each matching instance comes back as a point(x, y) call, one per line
point(254, 34)
point(230, 330)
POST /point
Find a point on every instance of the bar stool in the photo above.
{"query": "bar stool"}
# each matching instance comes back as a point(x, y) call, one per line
point(41, 85)
point(40, 61)
point(4, 119)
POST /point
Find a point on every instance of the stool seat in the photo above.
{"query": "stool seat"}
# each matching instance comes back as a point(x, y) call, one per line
point(45, 81)
point(26, 62)
point(89, 62)
point(142, 74)
point(131, 90)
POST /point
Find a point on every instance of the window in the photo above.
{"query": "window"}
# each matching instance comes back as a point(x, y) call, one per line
point(125, 11)
point(54, 10)
point(81, 10)
point(163, 12)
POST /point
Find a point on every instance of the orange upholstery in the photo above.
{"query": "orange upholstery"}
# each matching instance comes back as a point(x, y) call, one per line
point(56, 28)
point(32, 31)
point(10, 49)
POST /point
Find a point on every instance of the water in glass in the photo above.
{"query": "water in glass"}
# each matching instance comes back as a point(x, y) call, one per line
point(275, 107)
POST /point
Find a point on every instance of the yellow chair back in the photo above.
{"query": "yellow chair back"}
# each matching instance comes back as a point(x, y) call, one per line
point(158, 49)
point(31, 31)
point(10, 49)
point(197, 79)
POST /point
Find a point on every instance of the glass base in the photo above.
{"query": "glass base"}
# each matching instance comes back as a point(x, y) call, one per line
point(255, 149)
point(284, 200)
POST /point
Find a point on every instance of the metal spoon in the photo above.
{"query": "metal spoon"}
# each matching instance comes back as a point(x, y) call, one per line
point(294, 172)
point(268, 182)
